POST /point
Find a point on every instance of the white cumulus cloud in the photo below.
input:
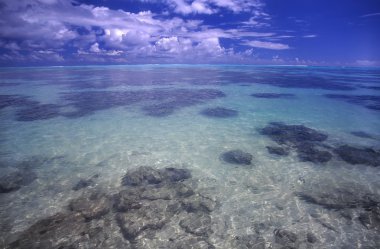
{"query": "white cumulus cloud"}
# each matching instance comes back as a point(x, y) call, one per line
point(267, 45)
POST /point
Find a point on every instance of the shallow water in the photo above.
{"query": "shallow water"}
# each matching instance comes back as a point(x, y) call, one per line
point(70, 123)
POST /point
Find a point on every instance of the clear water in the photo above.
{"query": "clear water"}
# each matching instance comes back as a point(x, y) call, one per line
point(121, 135)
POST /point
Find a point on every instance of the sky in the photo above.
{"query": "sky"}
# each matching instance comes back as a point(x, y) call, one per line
point(77, 32)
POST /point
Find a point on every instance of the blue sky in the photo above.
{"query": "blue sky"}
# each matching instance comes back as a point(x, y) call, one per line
point(67, 32)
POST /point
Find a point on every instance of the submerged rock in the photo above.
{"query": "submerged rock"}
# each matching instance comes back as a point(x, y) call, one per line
point(339, 198)
point(92, 207)
point(237, 157)
point(371, 218)
point(354, 155)
point(251, 241)
point(148, 175)
point(197, 223)
point(151, 200)
point(175, 175)
point(198, 203)
point(84, 183)
point(16, 179)
point(183, 191)
point(219, 112)
point(280, 151)
point(133, 198)
point(58, 231)
point(285, 238)
point(311, 238)
point(167, 192)
point(191, 242)
point(152, 215)
point(128, 199)
point(142, 176)
point(67, 231)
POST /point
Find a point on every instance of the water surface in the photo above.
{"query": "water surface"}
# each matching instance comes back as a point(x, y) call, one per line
point(61, 125)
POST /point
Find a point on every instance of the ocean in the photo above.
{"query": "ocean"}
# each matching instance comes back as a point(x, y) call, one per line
point(269, 156)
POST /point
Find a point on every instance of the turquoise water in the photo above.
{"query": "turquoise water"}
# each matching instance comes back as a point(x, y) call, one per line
point(71, 123)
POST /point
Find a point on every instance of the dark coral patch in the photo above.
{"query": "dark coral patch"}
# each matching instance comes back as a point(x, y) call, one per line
point(304, 140)
point(377, 88)
point(280, 77)
point(180, 99)
point(309, 153)
point(30, 110)
point(161, 102)
point(273, 95)
point(15, 100)
point(362, 134)
point(165, 102)
point(355, 155)
point(275, 150)
point(314, 82)
point(371, 102)
point(176, 175)
point(160, 110)
point(86, 103)
point(237, 157)
point(292, 134)
point(38, 112)
point(219, 112)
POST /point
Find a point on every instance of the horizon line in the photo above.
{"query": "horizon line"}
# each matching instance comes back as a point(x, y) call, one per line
point(190, 64)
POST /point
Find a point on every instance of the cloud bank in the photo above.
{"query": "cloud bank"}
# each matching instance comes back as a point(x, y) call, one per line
point(65, 30)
